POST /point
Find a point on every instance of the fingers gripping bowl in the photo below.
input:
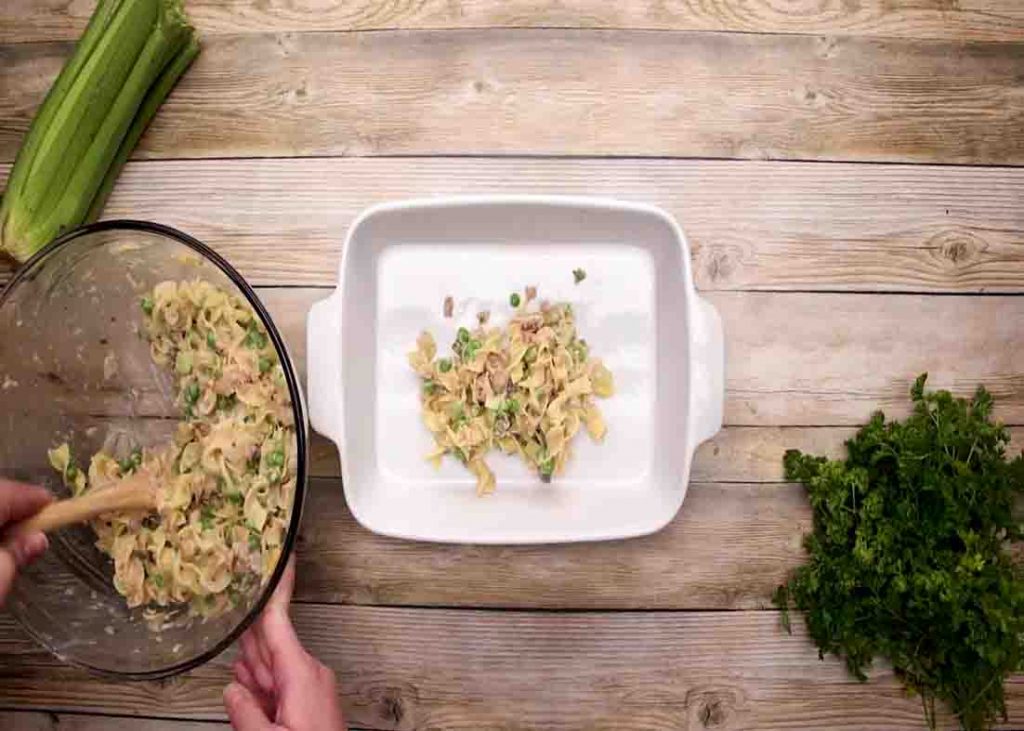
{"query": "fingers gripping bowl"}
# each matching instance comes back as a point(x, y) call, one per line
point(95, 354)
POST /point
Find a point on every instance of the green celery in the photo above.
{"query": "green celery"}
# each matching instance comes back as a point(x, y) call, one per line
point(73, 205)
point(123, 67)
point(98, 24)
point(83, 109)
point(147, 111)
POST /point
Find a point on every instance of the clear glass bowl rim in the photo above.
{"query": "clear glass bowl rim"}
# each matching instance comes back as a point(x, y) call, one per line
point(298, 408)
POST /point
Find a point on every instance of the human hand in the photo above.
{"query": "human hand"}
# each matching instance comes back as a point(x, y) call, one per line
point(17, 502)
point(279, 686)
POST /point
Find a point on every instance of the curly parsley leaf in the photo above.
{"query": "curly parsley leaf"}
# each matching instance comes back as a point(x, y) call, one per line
point(910, 555)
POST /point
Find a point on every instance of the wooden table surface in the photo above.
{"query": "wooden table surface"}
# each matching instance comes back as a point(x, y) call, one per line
point(847, 173)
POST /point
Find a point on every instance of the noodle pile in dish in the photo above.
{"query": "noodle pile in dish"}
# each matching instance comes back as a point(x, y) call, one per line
point(525, 389)
point(225, 485)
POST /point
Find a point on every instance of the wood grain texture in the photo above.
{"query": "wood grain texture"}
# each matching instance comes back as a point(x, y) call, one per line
point(751, 225)
point(729, 548)
point(810, 359)
point(45, 20)
point(472, 670)
point(827, 359)
point(562, 92)
point(36, 721)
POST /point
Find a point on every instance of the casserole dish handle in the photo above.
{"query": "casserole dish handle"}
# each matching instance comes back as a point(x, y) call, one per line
point(323, 366)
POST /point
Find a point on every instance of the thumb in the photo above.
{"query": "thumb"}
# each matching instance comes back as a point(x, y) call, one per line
point(287, 656)
point(244, 710)
point(276, 628)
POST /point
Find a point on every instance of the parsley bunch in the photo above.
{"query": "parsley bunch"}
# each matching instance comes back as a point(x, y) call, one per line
point(910, 554)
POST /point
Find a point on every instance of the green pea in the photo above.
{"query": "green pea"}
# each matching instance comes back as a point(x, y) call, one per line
point(255, 541)
point(463, 335)
point(254, 339)
point(132, 461)
point(147, 305)
point(211, 339)
point(514, 300)
point(192, 393)
point(158, 579)
point(275, 458)
point(235, 497)
point(444, 365)
point(547, 468)
point(265, 364)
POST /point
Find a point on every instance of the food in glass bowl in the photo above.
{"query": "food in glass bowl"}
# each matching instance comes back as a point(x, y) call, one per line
point(77, 366)
point(225, 483)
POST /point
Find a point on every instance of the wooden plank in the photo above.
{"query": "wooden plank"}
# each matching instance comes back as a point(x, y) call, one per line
point(563, 92)
point(421, 668)
point(828, 359)
point(752, 225)
point(729, 548)
point(36, 721)
point(45, 20)
point(810, 359)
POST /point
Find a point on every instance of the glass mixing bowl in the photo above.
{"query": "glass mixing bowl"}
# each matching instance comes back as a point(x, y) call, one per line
point(74, 368)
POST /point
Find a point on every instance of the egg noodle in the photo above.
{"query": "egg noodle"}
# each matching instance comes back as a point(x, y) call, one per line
point(525, 389)
point(225, 485)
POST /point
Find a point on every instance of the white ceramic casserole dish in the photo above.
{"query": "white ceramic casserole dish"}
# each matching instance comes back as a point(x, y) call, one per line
point(637, 309)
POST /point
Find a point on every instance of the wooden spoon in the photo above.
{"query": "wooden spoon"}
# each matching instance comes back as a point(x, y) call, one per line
point(136, 492)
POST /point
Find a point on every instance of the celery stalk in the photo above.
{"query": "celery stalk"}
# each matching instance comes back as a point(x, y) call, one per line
point(105, 11)
point(157, 93)
point(81, 112)
point(80, 131)
point(162, 45)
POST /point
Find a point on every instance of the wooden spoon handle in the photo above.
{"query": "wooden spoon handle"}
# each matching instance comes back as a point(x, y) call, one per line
point(129, 494)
